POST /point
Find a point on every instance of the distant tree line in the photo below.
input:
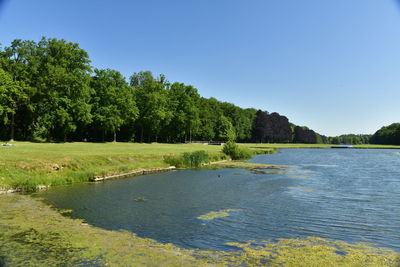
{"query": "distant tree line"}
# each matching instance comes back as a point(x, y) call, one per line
point(50, 92)
point(387, 135)
point(351, 139)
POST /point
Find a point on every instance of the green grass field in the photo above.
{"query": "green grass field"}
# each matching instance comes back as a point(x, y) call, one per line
point(28, 165)
point(25, 166)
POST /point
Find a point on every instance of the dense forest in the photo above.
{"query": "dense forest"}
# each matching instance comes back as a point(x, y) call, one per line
point(50, 92)
point(387, 135)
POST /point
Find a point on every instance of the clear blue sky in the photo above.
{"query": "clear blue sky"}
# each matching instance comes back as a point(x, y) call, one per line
point(331, 65)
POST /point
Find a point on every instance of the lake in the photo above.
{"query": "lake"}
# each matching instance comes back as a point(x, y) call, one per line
point(351, 195)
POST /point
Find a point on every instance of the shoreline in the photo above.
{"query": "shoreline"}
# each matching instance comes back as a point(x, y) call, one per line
point(29, 167)
point(153, 170)
point(133, 173)
point(138, 172)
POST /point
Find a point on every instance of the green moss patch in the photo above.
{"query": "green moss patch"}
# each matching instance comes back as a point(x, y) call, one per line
point(33, 234)
point(216, 214)
point(312, 251)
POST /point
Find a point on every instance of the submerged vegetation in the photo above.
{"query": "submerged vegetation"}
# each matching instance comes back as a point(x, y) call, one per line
point(217, 214)
point(313, 251)
point(33, 234)
point(247, 165)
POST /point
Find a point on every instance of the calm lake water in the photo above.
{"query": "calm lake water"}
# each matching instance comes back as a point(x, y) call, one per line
point(343, 194)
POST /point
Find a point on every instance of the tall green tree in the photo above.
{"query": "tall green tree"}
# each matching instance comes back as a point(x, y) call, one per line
point(185, 119)
point(13, 94)
point(153, 103)
point(19, 61)
point(241, 119)
point(210, 113)
point(387, 135)
point(226, 131)
point(63, 91)
point(113, 102)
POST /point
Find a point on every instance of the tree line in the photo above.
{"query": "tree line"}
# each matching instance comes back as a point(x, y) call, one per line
point(351, 139)
point(50, 92)
point(387, 135)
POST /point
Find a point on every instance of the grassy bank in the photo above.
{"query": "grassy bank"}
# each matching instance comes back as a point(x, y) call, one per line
point(33, 234)
point(26, 165)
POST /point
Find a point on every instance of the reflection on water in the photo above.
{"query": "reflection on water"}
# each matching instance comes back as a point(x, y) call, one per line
point(350, 195)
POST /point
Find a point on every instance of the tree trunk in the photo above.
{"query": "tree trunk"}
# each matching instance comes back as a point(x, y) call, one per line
point(102, 137)
point(12, 127)
point(115, 136)
point(141, 136)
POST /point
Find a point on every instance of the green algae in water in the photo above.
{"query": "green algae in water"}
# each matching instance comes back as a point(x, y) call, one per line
point(312, 251)
point(216, 214)
point(140, 199)
point(213, 215)
point(33, 234)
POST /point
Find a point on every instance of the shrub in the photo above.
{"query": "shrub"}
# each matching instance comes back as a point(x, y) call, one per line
point(235, 152)
point(176, 161)
point(217, 157)
point(188, 159)
point(195, 159)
